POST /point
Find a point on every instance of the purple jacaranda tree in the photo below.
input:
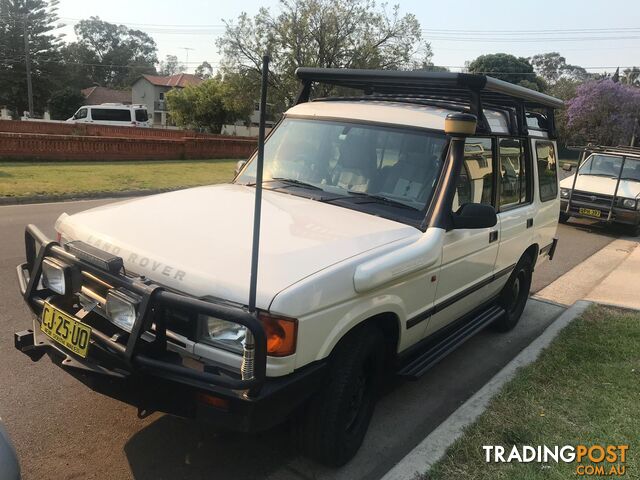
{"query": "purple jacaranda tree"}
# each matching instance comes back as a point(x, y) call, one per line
point(603, 112)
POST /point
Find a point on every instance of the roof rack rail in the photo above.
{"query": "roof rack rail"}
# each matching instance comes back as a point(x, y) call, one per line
point(472, 91)
point(619, 149)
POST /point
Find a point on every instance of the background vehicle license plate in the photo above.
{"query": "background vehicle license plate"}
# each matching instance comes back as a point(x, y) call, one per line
point(65, 330)
point(590, 212)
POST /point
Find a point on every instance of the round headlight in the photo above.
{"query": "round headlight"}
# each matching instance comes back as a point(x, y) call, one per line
point(629, 203)
point(564, 192)
point(121, 309)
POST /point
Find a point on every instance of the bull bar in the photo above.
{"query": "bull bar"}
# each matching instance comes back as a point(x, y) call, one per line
point(138, 353)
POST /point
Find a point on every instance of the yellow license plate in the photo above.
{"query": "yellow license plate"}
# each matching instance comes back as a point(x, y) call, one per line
point(65, 330)
point(590, 212)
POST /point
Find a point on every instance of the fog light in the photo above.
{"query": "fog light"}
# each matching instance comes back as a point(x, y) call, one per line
point(121, 309)
point(55, 276)
point(564, 192)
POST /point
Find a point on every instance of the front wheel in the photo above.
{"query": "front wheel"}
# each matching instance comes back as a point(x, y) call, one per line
point(515, 294)
point(337, 418)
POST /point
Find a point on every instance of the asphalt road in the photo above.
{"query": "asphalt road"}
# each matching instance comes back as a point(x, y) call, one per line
point(63, 430)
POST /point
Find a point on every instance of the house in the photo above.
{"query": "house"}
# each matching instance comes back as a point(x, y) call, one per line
point(98, 95)
point(150, 90)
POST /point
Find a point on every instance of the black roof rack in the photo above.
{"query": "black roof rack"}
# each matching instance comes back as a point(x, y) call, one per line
point(474, 91)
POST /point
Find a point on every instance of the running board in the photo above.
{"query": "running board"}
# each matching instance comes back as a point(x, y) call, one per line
point(437, 351)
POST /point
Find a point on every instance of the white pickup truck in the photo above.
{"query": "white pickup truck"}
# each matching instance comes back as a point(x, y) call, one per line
point(395, 225)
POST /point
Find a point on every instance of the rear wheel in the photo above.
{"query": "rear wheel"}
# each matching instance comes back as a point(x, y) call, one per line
point(564, 217)
point(515, 294)
point(337, 418)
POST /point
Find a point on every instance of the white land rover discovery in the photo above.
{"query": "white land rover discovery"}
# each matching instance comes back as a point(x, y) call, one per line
point(396, 223)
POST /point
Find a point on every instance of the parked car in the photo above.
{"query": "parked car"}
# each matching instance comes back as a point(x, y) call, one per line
point(9, 466)
point(116, 114)
point(606, 187)
point(387, 240)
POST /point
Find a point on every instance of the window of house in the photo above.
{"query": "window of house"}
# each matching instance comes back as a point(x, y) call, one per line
point(547, 170)
point(161, 95)
point(475, 184)
point(514, 173)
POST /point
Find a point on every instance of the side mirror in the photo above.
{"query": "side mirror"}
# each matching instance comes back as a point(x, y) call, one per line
point(567, 167)
point(239, 166)
point(475, 215)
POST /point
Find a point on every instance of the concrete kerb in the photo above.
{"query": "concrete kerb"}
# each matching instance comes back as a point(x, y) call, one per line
point(434, 446)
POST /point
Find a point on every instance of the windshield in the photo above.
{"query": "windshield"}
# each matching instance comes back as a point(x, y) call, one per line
point(609, 166)
point(393, 167)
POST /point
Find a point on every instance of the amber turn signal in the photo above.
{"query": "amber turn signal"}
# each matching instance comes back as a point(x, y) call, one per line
point(281, 332)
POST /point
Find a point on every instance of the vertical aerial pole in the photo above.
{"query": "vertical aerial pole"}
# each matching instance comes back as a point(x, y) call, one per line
point(27, 60)
point(249, 347)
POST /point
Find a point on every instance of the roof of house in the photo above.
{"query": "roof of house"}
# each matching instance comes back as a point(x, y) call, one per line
point(97, 95)
point(178, 80)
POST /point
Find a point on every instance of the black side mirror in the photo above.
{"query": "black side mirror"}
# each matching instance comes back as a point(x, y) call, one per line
point(567, 167)
point(475, 215)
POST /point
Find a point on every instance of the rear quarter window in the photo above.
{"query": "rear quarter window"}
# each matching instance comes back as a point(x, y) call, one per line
point(111, 114)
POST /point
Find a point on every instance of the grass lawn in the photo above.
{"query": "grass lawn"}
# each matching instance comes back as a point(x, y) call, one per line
point(584, 389)
point(19, 179)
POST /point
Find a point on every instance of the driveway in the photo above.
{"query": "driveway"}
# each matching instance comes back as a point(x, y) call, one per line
point(62, 430)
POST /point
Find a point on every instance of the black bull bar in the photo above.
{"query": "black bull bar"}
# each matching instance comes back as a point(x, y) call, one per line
point(137, 353)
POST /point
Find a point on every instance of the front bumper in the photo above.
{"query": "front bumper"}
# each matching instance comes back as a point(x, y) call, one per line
point(141, 369)
point(618, 215)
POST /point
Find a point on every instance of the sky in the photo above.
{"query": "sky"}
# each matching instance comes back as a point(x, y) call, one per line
point(599, 35)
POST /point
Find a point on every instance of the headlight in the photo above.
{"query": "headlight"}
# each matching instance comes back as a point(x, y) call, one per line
point(564, 192)
point(56, 276)
point(281, 333)
point(224, 334)
point(121, 309)
point(629, 203)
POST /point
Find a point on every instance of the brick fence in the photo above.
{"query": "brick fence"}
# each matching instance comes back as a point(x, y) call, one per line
point(60, 141)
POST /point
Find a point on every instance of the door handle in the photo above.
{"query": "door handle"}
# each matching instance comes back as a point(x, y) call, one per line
point(529, 222)
point(493, 236)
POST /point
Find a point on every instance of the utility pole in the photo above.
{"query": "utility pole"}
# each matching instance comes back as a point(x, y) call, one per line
point(186, 63)
point(27, 60)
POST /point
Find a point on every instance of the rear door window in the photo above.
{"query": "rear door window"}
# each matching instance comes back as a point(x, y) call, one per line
point(547, 170)
point(111, 114)
point(513, 174)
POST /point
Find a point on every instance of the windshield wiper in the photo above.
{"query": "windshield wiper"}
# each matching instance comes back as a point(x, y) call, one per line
point(600, 175)
point(300, 183)
point(381, 199)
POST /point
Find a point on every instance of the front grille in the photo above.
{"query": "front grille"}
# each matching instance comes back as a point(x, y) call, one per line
point(592, 198)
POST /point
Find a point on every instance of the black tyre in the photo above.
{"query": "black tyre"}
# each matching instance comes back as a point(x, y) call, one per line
point(336, 420)
point(564, 217)
point(515, 294)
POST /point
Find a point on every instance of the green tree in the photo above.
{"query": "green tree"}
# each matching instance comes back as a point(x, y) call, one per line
point(204, 71)
point(318, 33)
point(507, 67)
point(553, 66)
point(44, 52)
point(109, 55)
point(171, 66)
point(207, 106)
point(64, 103)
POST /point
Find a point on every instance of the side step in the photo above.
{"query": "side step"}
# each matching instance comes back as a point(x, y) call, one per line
point(437, 351)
